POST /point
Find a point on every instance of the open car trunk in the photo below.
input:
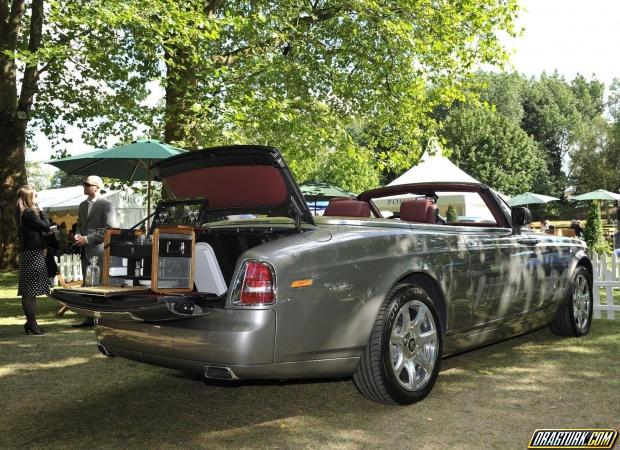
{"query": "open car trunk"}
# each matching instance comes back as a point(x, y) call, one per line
point(230, 243)
point(208, 189)
point(118, 303)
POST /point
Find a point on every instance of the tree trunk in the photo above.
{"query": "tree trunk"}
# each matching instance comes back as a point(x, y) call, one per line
point(180, 81)
point(14, 114)
point(13, 175)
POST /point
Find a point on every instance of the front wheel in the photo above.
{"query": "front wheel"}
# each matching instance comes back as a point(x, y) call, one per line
point(574, 316)
point(401, 361)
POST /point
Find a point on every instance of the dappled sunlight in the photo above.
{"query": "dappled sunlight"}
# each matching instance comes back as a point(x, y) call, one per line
point(453, 371)
point(580, 350)
point(84, 399)
point(12, 320)
point(26, 345)
point(294, 432)
point(12, 369)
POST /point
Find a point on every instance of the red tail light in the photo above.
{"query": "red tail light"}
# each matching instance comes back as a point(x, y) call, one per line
point(258, 285)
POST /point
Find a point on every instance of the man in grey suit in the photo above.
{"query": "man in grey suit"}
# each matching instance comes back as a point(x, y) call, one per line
point(95, 214)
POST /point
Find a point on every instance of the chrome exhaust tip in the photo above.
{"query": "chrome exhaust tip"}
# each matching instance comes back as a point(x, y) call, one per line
point(104, 350)
point(219, 373)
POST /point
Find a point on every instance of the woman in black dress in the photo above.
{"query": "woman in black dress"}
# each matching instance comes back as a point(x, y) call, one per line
point(33, 280)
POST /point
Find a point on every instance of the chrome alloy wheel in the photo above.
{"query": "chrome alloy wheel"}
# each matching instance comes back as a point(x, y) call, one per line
point(413, 345)
point(581, 302)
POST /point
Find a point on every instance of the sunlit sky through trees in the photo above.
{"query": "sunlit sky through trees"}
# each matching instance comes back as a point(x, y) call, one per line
point(570, 36)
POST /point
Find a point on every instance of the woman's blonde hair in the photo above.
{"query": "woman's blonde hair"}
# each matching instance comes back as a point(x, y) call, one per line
point(26, 198)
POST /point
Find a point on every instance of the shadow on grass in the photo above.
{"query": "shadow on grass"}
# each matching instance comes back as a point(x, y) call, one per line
point(61, 393)
point(513, 387)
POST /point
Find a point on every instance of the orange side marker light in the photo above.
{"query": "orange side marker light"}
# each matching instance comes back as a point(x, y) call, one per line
point(301, 283)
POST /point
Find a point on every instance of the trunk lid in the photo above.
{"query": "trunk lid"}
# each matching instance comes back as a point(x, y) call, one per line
point(236, 180)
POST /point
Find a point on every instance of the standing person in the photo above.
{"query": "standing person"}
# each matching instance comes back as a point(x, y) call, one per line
point(32, 224)
point(62, 238)
point(51, 252)
point(95, 214)
point(70, 242)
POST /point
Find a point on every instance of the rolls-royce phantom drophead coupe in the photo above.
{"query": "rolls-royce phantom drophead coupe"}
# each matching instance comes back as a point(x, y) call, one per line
point(237, 280)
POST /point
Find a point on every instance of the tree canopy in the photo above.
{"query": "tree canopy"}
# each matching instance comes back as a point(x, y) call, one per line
point(493, 149)
point(565, 120)
point(290, 74)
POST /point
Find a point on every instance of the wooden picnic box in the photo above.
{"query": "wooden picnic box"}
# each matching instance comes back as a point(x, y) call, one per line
point(162, 262)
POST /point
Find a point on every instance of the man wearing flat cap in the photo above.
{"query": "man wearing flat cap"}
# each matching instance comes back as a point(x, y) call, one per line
point(94, 216)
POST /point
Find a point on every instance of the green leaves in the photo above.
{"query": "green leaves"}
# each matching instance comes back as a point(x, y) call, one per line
point(493, 149)
point(593, 232)
point(290, 74)
point(563, 119)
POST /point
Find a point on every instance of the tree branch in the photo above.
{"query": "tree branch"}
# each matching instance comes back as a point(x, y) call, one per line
point(4, 13)
point(31, 73)
point(212, 6)
point(64, 39)
point(10, 25)
point(17, 10)
point(230, 58)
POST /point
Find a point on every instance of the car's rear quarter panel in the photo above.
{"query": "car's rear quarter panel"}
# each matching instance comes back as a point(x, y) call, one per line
point(352, 273)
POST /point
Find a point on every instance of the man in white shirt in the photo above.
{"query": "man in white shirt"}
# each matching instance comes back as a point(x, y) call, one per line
point(95, 214)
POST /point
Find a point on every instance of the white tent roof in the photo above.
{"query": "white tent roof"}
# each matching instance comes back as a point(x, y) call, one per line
point(63, 199)
point(433, 168)
point(66, 201)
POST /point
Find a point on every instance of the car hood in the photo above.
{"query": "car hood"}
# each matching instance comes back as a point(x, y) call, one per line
point(236, 180)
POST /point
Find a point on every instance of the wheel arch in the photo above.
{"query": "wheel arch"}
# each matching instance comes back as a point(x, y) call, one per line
point(436, 293)
point(585, 262)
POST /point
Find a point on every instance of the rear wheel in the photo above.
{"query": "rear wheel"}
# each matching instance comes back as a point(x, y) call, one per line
point(401, 362)
point(574, 316)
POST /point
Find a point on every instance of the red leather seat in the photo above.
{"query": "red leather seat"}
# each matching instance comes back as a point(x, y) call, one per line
point(347, 208)
point(419, 210)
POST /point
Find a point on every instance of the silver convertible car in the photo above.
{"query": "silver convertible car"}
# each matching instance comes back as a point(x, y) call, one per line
point(237, 280)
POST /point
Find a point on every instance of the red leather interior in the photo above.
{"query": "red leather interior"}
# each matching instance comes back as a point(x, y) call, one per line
point(231, 186)
point(347, 208)
point(420, 210)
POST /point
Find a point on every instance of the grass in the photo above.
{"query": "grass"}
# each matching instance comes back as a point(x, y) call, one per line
point(59, 392)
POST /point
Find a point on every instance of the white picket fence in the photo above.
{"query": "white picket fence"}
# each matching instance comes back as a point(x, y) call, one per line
point(606, 275)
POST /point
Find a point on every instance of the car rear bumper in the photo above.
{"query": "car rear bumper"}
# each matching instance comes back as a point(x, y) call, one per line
point(337, 367)
point(240, 342)
point(224, 336)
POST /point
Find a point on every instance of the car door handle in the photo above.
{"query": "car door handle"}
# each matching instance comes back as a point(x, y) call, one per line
point(472, 244)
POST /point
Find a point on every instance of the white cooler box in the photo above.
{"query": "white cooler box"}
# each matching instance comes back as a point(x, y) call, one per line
point(207, 274)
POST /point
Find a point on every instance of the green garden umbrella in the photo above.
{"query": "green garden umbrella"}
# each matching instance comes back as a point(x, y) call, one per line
point(599, 194)
point(529, 198)
point(318, 190)
point(129, 162)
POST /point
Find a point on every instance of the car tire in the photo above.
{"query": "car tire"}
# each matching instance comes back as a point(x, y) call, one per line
point(401, 362)
point(574, 316)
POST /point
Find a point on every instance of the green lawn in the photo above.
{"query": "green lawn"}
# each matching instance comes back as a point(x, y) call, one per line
point(59, 392)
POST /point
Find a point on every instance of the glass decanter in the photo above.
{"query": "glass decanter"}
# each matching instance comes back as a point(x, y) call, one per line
point(93, 273)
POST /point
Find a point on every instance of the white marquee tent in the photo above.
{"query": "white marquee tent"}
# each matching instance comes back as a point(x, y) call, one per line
point(437, 168)
point(432, 168)
point(62, 205)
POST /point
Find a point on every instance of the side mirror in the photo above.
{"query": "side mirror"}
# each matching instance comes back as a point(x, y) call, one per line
point(520, 218)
